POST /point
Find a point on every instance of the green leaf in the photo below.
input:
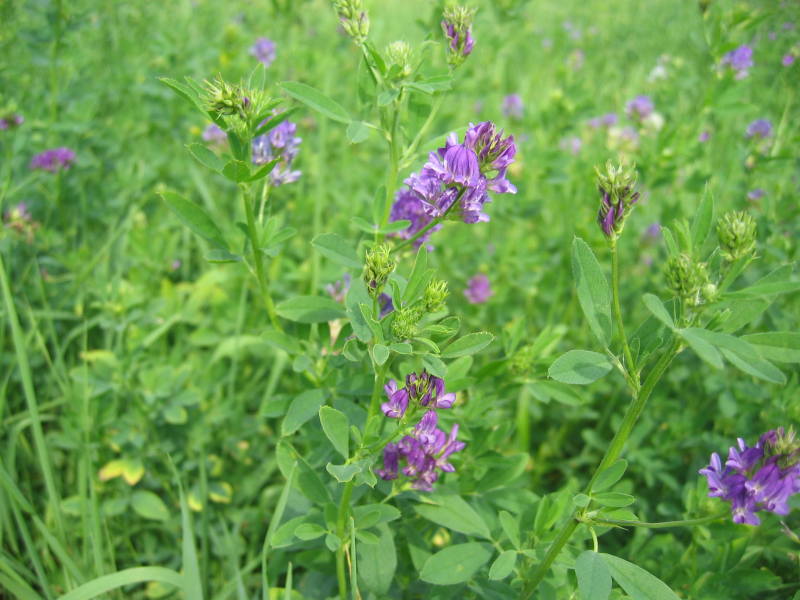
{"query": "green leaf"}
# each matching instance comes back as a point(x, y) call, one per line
point(377, 563)
point(503, 565)
point(579, 367)
point(195, 218)
point(148, 505)
point(703, 218)
point(780, 346)
point(310, 309)
point(510, 527)
point(309, 531)
point(344, 473)
point(581, 500)
point(219, 256)
point(469, 344)
point(594, 293)
point(455, 513)
point(302, 409)
point(741, 355)
point(611, 475)
point(655, 306)
point(106, 583)
point(613, 499)
point(419, 276)
point(357, 132)
point(455, 564)
point(336, 426)
point(594, 578)
point(237, 171)
point(206, 157)
point(434, 365)
point(702, 348)
point(637, 583)
point(333, 246)
point(380, 353)
point(316, 100)
point(356, 296)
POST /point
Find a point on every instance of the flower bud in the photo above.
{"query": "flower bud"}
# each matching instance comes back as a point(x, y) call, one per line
point(399, 53)
point(225, 99)
point(379, 265)
point(736, 232)
point(353, 18)
point(616, 186)
point(435, 295)
point(688, 279)
point(457, 27)
point(405, 322)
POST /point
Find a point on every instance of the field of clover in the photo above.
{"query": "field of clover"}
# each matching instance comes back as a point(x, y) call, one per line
point(371, 299)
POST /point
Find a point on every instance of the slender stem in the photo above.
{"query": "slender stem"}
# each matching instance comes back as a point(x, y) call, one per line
point(430, 225)
point(341, 519)
point(614, 450)
point(258, 258)
point(412, 147)
point(663, 524)
point(631, 366)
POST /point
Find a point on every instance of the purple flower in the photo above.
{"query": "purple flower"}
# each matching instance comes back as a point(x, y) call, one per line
point(653, 232)
point(214, 134)
point(756, 194)
point(338, 289)
point(397, 404)
point(760, 128)
point(704, 136)
point(11, 122)
point(409, 205)
point(512, 106)
point(739, 60)
point(571, 144)
point(386, 305)
point(461, 40)
point(278, 143)
point(478, 290)
point(762, 477)
point(264, 51)
point(425, 452)
point(453, 164)
point(788, 60)
point(53, 160)
point(639, 108)
point(606, 120)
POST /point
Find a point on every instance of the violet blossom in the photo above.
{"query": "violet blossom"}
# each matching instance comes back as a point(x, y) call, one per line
point(512, 106)
point(788, 60)
point(639, 108)
point(214, 134)
point(760, 128)
point(264, 51)
point(758, 478)
point(739, 60)
point(53, 160)
point(11, 121)
point(478, 289)
point(282, 144)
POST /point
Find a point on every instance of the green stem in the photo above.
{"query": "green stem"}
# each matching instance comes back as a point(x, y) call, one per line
point(662, 525)
point(341, 519)
point(631, 365)
point(632, 415)
point(258, 258)
point(412, 148)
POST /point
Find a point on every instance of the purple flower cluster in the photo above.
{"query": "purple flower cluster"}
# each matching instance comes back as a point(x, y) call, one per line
point(513, 106)
point(606, 120)
point(281, 143)
point(760, 128)
point(461, 40)
point(478, 289)
point(427, 450)
point(459, 172)
point(11, 121)
point(264, 51)
point(739, 60)
point(213, 134)
point(612, 212)
point(53, 160)
point(759, 478)
point(639, 108)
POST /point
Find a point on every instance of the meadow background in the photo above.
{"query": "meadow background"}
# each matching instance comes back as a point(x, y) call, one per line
point(136, 363)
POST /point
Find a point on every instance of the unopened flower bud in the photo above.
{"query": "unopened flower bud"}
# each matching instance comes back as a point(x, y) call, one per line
point(379, 265)
point(354, 19)
point(457, 27)
point(399, 53)
point(736, 232)
point(225, 99)
point(687, 278)
point(618, 195)
point(435, 295)
point(405, 322)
